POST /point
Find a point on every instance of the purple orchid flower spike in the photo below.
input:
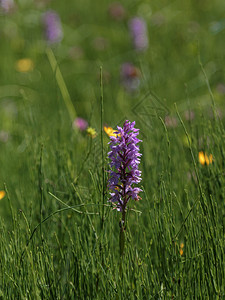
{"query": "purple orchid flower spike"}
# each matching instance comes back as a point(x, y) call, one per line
point(124, 173)
point(139, 33)
point(53, 27)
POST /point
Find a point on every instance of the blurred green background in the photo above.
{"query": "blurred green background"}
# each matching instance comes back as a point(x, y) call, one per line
point(32, 108)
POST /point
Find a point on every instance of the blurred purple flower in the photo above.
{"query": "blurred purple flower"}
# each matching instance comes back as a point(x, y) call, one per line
point(139, 34)
point(80, 123)
point(76, 52)
point(189, 115)
point(171, 122)
point(6, 5)
point(4, 136)
point(53, 27)
point(117, 11)
point(130, 76)
point(124, 173)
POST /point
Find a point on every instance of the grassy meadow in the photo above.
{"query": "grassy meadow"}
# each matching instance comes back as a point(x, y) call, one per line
point(59, 234)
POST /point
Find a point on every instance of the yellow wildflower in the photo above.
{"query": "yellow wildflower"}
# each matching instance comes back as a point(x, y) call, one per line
point(204, 158)
point(181, 249)
point(2, 194)
point(201, 157)
point(110, 131)
point(24, 65)
point(91, 132)
point(209, 159)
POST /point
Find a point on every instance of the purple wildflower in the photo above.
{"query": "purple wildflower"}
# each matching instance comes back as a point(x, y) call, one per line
point(117, 11)
point(138, 30)
point(130, 76)
point(171, 122)
point(53, 27)
point(189, 115)
point(124, 174)
point(6, 5)
point(80, 123)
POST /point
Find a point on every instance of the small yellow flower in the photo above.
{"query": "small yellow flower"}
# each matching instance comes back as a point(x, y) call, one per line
point(209, 159)
point(204, 158)
point(201, 157)
point(2, 194)
point(110, 131)
point(91, 132)
point(24, 65)
point(181, 249)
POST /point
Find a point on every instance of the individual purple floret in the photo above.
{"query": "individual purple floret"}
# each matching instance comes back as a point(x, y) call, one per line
point(53, 27)
point(124, 173)
point(130, 76)
point(138, 30)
